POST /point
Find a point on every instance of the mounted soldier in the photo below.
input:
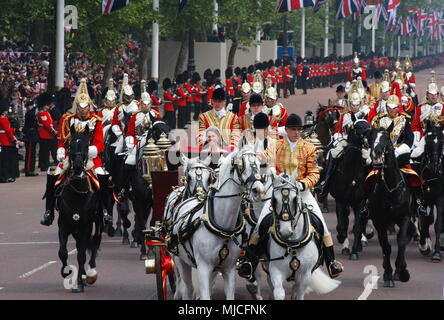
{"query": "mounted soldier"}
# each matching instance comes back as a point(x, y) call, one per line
point(107, 111)
point(83, 119)
point(290, 155)
point(357, 71)
point(410, 80)
point(275, 109)
point(398, 124)
point(380, 105)
point(344, 125)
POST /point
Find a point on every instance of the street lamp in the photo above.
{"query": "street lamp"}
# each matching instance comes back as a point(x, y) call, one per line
point(191, 65)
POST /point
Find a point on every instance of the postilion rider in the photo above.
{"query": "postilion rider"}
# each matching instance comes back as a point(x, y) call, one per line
point(293, 153)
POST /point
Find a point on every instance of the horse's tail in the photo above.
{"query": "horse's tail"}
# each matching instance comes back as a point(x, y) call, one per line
point(321, 283)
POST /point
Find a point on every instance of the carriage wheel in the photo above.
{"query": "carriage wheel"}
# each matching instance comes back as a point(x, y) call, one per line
point(172, 281)
point(160, 274)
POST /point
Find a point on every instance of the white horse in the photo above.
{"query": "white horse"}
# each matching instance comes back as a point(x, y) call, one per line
point(292, 248)
point(214, 245)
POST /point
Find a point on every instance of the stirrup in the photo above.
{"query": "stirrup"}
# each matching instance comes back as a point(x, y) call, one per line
point(107, 219)
point(335, 273)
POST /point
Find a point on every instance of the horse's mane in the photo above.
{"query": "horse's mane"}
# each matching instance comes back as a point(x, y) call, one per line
point(320, 109)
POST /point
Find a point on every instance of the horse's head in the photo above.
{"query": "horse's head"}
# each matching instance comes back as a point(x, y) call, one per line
point(284, 202)
point(328, 115)
point(359, 134)
point(157, 129)
point(198, 173)
point(434, 148)
point(381, 147)
point(78, 149)
point(245, 164)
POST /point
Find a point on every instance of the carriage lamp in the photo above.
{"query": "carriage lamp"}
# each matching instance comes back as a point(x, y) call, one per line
point(163, 144)
point(151, 161)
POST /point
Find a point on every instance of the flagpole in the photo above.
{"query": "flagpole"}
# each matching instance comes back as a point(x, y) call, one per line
point(60, 45)
point(303, 34)
point(326, 31)
point(284, 36)
point(342, 38)
point(373, 38)
point(399, 46)
point(416, 46)
point(258, 44)
point(155, 53)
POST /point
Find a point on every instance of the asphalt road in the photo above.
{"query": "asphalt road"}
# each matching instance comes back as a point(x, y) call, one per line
point(30, 268)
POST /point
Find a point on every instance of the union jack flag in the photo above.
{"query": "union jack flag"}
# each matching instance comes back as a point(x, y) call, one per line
point(392, 8)
point(404, 27)
point(346, 8)
point(109, 6)
point(290, 5)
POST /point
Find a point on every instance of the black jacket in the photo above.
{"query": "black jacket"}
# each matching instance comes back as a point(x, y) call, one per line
point(30, 128)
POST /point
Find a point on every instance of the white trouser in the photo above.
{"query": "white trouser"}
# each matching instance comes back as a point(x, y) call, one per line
point(131, 159)
point(63, 166)
point(307, 199)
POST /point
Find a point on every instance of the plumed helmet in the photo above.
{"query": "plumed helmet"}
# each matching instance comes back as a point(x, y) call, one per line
point(246, 88)
point(393, 101)
point(356, 59)
point(385, 86)
point(145, 96)
point(271, 93)
point(82, 99)
point(111, 93)
point(261, 121)
point(432, 88)
point(127, 90)
point(258, 87)
point(166, 84)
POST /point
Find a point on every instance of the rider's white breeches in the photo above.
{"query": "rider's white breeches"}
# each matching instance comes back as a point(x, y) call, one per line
point(308, 199)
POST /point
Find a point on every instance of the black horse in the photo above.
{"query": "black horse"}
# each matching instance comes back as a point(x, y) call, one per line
point(326, 119)
point(389, 203)
point(141, 194)
point(347, 187)
point(433, 188)
point(78, 205)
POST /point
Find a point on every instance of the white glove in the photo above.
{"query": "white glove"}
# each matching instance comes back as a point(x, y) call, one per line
point(402, 149)
point(92, 152)
point(60, 154)
point(417, 138)
point(129, 142)
point(412, 85)
point(116, 130)
point(282, 132)
point(300, 186)
point(276, 111)
point(230, 107)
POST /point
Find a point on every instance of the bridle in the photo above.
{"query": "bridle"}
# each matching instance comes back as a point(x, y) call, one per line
point(428, 158)
point(198, 173)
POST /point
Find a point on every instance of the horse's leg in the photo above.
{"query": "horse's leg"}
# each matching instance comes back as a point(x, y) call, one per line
point(277, 278)
point(63, 251)
point(205, 275)
point(184, 287)
point(401, 272)
point(357, 232)
point(254, 288)
point(300, 286)
point(436, 257)
point(342, 226)
point(125, 221)
point(118, 232)
point(229, 276)
point(91, 274)
point(386, 251)
point(425, 241)
point(81, 244)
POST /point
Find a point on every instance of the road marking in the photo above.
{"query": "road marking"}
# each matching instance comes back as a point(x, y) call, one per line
point(1, 288)
point(51, 242)
point(2, 233)
point(36, 232)
point(369, 288)
point(19, 213)
point(30, 273)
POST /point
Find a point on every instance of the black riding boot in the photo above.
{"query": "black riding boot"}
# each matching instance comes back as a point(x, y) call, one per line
point(127, 169)
point(326, 183)
point(104, 195)
point(417, 198)
point(334, 267)
point(250, 262)
point(48, 216)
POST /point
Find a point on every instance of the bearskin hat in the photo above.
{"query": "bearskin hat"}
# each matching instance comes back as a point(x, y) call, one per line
point(196, 77)
point(44, 99)
point(152, 86)
point(166, 84)
point(228, 73)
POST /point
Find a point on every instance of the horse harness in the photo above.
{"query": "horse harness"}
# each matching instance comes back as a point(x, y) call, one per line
point(187, 229)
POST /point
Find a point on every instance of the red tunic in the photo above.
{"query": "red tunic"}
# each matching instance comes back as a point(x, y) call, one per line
point(155, 102)
point(197, 95)
point(45, 125)
point(182, 100)
point(168, 101)
point(6, 132)
point(189, 88)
